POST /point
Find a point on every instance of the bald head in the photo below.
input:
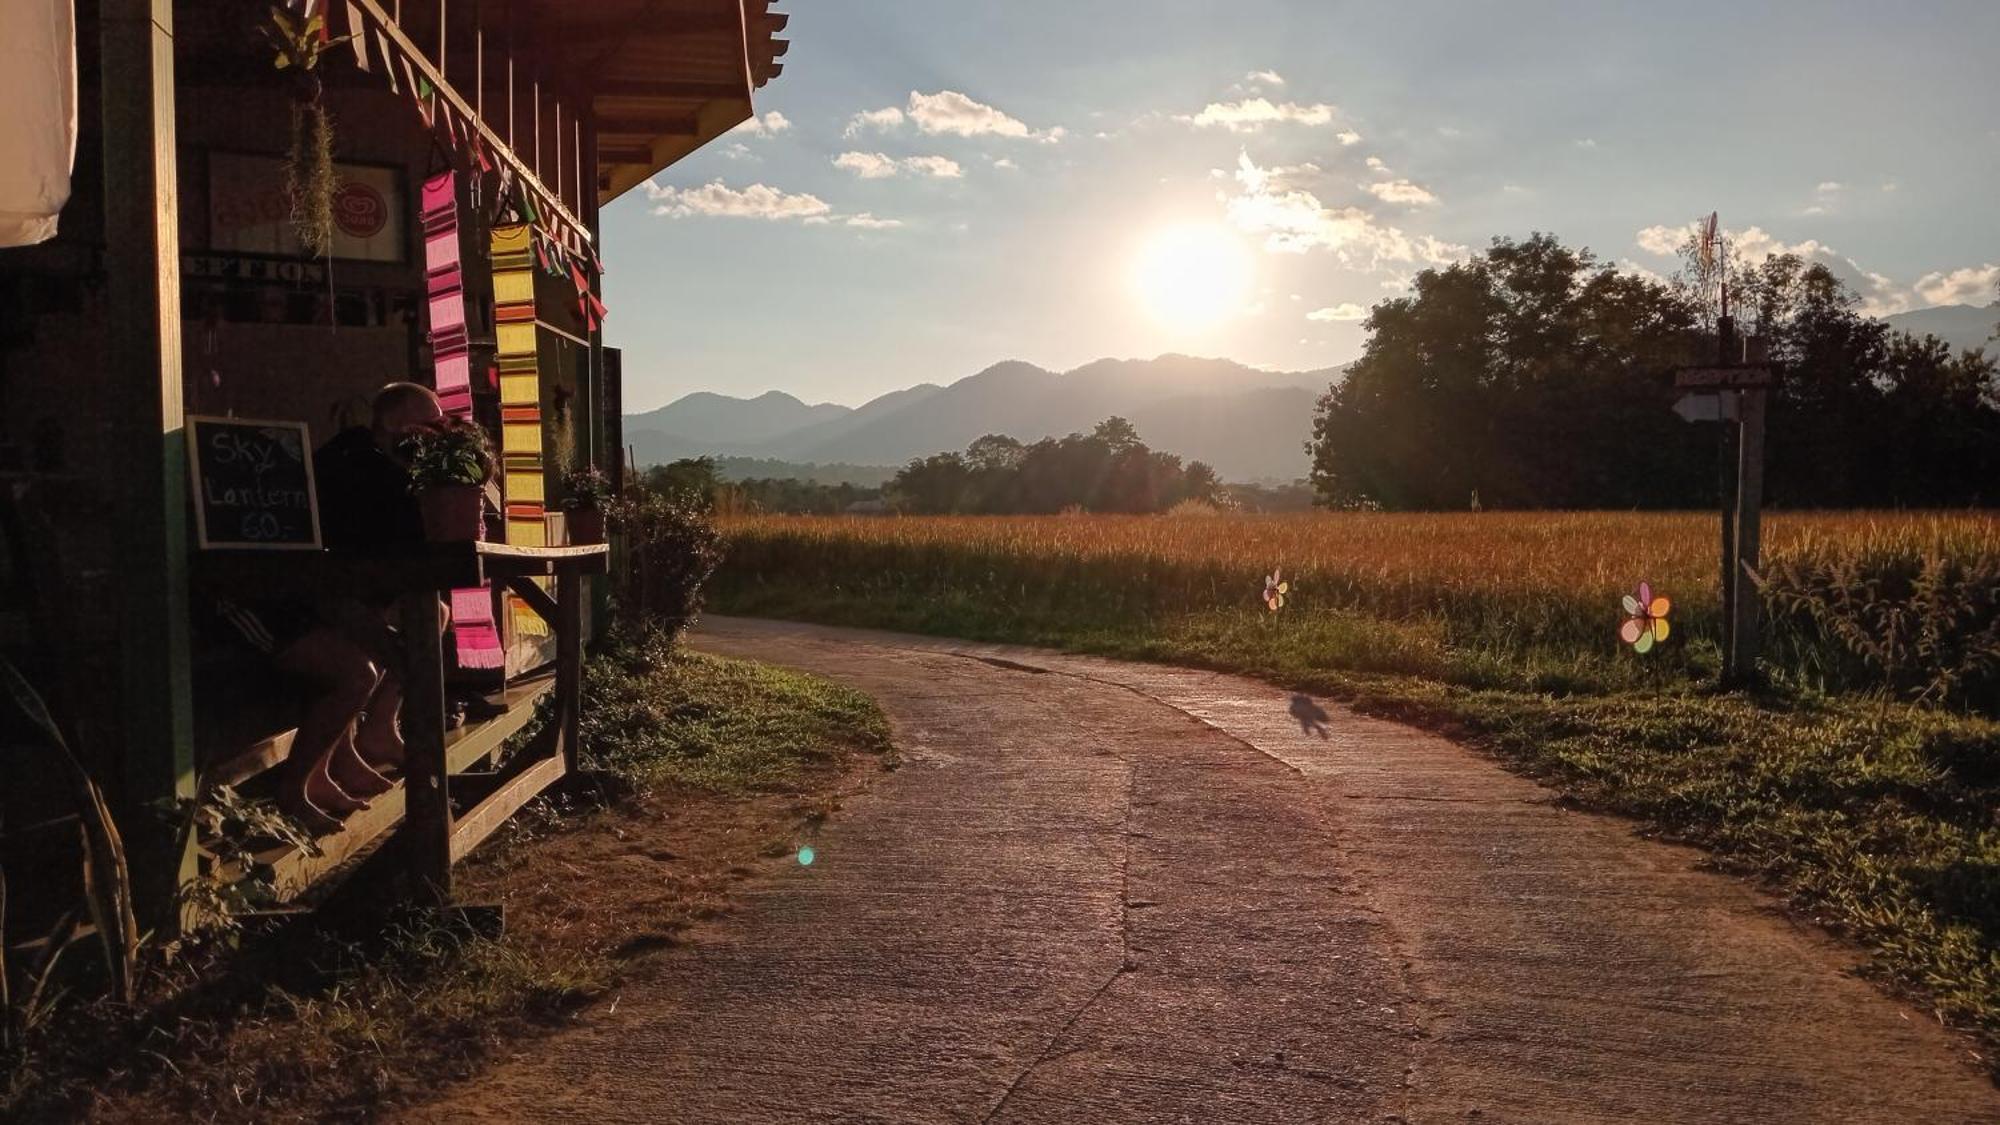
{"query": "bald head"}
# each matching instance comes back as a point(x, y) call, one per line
point(402, 407)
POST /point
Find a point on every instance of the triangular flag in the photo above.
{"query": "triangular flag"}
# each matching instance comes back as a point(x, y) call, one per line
point(357, 36)
point(388, 60)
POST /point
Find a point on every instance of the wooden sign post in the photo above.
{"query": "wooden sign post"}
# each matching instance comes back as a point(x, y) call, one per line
point(1739, 390)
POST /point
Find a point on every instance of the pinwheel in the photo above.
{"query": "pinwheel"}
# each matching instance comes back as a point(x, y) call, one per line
point(1645, 619)
point(1275, 589)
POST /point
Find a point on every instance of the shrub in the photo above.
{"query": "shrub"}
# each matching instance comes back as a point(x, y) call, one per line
point(671, 549)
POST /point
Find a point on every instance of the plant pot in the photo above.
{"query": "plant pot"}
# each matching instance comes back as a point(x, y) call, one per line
point(586, 526)
point(451, 512)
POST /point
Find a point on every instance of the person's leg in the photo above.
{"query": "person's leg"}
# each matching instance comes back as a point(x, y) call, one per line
point(380, 740)
point(341, 679)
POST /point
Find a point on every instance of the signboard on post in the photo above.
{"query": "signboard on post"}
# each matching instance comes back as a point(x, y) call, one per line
point(253, 484)
point(1731, 377)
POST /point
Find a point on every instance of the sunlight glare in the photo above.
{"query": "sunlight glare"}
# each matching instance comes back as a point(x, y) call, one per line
point(1193, 276)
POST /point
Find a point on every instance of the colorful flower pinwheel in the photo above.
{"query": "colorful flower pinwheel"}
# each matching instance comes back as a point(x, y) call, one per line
point(1275, 589)
point(1645, 619)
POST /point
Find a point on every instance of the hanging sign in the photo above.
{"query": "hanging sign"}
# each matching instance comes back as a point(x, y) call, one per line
point(253, 484)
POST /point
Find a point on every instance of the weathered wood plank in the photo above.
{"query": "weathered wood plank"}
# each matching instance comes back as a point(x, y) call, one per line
point(426, 832)
point(485, 818)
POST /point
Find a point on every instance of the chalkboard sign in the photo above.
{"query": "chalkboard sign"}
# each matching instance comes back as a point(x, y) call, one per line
point(253, 484)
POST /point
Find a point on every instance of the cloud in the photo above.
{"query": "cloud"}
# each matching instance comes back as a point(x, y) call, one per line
point(1294, 221)
point(1401, 191)
point(1347, 137)
point(1252, 114)
point(1828, 187)
point(767, 125)
point(1347, 310)
point(1265, 77)
point(866, 221)
point(937, 167)
point(718, 200)
point(1973, 285)
point(949, 113)
point(867, 165)
point(1376, 166)
point(1586, 142)
point(1005, 162)
point(1880, 295)
point(878, 166)
point(878, 120)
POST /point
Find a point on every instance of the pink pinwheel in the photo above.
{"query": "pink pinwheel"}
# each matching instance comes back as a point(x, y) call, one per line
point(1645, 619)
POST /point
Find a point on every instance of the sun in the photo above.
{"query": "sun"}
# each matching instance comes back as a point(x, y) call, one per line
point(1192, 276)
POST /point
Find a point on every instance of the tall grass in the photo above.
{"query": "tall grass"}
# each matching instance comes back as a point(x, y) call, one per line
point(1486, 599)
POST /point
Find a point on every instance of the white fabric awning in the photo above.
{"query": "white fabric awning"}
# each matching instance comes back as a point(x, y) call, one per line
point(37, 117)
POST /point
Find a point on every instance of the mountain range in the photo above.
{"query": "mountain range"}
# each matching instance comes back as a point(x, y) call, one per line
point(1249, 424)
point(1961, 326)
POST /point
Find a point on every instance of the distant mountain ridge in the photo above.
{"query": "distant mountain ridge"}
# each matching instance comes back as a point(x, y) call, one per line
point(1961, 326)
point(1249, 424)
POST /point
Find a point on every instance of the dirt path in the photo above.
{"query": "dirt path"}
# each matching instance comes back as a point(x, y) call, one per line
point(1104, 892)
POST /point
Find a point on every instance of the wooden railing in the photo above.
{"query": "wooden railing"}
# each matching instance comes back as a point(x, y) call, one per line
point(431, 835)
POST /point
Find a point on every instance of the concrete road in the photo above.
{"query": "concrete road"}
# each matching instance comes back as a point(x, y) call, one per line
point(1105, 892)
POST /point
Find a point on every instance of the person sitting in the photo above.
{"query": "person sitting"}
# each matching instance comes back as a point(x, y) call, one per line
point(344, 649)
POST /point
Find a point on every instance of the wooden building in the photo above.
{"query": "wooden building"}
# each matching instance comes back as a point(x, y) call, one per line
point(473, 145)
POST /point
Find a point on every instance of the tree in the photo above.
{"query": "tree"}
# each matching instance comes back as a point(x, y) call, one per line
point(934, 485)
point(1117, 434)
point(1539, 378)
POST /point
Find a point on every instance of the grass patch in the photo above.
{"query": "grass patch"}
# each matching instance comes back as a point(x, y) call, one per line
point(1874, 817)
point(717, 758)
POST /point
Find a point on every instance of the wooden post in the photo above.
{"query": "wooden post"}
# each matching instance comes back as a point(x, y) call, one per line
point(149, 466)
point(1749, 533)
point(1730, 465)
point(426, 831)
point(569, 663)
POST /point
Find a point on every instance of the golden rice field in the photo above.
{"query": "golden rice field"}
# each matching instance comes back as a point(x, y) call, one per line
point(1494, 581)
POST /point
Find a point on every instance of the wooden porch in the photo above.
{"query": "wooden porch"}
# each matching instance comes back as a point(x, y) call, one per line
point(456, 788)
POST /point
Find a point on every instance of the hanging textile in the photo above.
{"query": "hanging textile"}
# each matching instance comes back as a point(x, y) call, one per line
point(518, 348)
point(38, 126)
point(451, 357)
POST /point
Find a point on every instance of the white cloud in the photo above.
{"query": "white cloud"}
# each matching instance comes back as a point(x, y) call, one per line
point(1401, 191)
point(949, 113)
point(718, 200)
point(1828, 187)
point(767, 125)
point(866, 221)
point(1294, 221)
point(1252, 114)
point(1266, 77)
point(1973, 285)
point(1586, 142)
point(1890, 186)
point(1346, 310)
point(937, 167)
point(1376, 166)
point(878, 166)
point(867, 165)
point(878, 120)
point(1005, 162)
point(1347, 137)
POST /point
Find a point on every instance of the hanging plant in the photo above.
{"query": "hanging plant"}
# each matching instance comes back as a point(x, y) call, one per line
point(310, 181)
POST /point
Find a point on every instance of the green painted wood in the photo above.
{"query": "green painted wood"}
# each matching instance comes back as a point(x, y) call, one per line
point(143, 303)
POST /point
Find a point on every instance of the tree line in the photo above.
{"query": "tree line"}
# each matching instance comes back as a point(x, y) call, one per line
point(1107, 470)
point(1533, 376)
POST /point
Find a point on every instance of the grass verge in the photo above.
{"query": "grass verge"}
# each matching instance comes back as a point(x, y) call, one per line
point(703, 767)
point(1875, 818)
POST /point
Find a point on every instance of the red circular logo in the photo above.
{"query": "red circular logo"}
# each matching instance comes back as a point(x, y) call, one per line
point(359, 210)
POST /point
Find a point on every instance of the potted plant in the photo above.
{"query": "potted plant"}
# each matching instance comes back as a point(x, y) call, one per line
point(450, 462)
point(585, 492)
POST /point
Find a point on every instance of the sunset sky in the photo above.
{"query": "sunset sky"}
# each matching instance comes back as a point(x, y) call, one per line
point(933, 187)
